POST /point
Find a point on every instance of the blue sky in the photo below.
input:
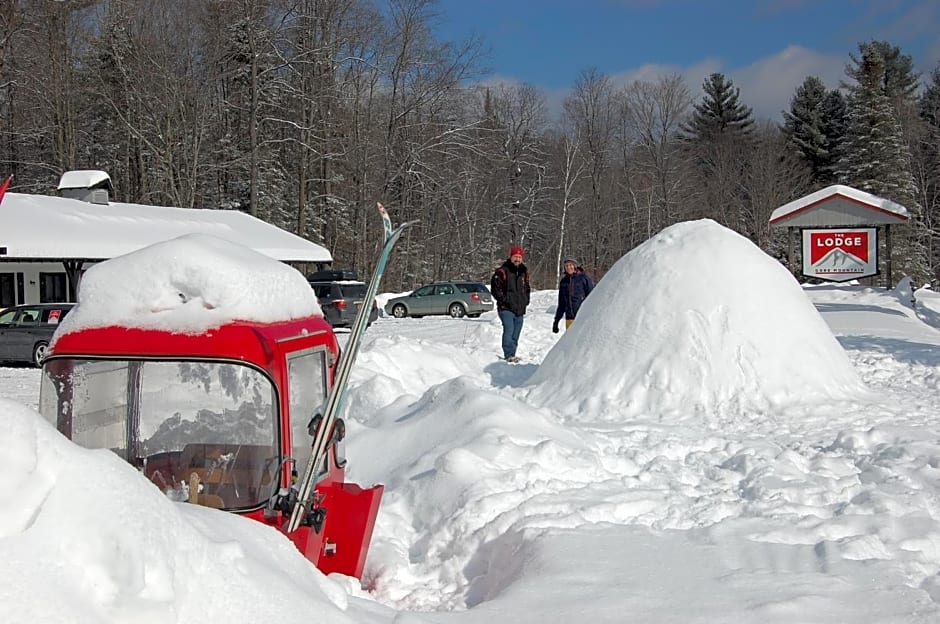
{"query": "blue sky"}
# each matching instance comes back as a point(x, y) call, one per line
point(766, 46)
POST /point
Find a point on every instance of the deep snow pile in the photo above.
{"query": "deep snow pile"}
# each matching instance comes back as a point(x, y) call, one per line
point(92, 541)
point(813, 513)
point(188, 285)
point(754, 343)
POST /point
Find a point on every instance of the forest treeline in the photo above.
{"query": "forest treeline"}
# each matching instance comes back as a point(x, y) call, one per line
point(304, 113)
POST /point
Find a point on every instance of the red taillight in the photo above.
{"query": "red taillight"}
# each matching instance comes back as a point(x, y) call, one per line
point(475, 297)
point(340, 303)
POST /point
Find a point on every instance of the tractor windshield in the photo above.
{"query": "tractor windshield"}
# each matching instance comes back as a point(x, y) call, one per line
point(204, 432)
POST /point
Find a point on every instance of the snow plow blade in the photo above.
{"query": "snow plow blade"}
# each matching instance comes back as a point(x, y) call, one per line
point(348, 528)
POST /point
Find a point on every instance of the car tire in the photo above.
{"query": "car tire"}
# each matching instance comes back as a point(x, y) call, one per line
point(39, 352)
point(399, 311)
point(456, 310)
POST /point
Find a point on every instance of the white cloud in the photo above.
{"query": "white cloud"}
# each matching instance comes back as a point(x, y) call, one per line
point(693, 75)
point(649, 72)
point(768, 84)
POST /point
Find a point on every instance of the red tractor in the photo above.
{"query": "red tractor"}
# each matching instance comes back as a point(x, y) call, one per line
point(240, 416)
point(221, 419)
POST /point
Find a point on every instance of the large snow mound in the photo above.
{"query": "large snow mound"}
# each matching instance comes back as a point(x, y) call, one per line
point(91, 540)
point(188, 285)
point(697, 319)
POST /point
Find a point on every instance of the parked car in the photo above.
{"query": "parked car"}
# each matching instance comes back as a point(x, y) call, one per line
point(457, 298)
point(340, 293)
point(25, 330)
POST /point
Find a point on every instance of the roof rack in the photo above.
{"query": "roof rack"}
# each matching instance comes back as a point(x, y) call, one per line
point(335, 275)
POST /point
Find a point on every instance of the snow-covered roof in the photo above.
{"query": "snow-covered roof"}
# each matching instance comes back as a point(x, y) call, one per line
point(85, 178)
point(37, 227)
point(885, 210)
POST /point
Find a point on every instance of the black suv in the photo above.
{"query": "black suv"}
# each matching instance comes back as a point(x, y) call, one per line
point(340, 293)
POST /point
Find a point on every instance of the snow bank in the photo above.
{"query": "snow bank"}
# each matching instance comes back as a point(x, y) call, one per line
point(187, 285)
point(88, 539)
point(667, 331)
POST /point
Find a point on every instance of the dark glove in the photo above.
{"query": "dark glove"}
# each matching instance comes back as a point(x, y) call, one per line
point(555, 327)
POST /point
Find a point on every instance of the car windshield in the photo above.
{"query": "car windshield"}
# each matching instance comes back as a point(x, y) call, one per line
point(201, 431)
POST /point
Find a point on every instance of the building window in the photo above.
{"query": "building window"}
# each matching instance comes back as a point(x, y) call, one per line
point(7, 290)
point(52, 288)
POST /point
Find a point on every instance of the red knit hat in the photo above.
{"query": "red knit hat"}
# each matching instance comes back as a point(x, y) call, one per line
point(517, 250)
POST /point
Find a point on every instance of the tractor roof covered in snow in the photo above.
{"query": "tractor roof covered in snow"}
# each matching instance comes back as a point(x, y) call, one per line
point(205, 365)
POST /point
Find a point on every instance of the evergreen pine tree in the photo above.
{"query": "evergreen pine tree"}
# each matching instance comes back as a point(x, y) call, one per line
point(899, 80)
point(900, 83)
point(805, 127)
point(875, 157)
point(720, 112)
point(928, 151)
point(929, 105)
point(835, 113)
point(720, 136)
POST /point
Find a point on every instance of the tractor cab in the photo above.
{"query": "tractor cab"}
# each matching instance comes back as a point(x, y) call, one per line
point(219, 413)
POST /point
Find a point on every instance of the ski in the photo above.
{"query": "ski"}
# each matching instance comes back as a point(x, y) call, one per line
point(386, 221)
point(334, 402)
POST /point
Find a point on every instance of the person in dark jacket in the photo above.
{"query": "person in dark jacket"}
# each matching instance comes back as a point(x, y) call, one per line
point(510, 288)
point(573, 289)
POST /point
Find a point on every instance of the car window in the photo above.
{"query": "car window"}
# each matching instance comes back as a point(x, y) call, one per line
point(356, 291)
point(470, 287)
point(424, 291)
point(7, 317)
point(52, 316)
point(445, 289)
point(28, 317)
point(322, 290)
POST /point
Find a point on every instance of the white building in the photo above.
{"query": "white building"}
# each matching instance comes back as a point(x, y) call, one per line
point(47, 242)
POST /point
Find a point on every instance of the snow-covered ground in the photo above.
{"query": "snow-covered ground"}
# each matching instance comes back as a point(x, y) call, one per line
point(692, 450)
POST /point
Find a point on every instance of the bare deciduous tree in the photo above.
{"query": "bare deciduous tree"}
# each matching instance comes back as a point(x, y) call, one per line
point(305, 112)
point(653, 114)
point(590, 111)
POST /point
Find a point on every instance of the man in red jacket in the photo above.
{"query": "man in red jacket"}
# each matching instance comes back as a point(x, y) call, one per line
point(510, 288)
